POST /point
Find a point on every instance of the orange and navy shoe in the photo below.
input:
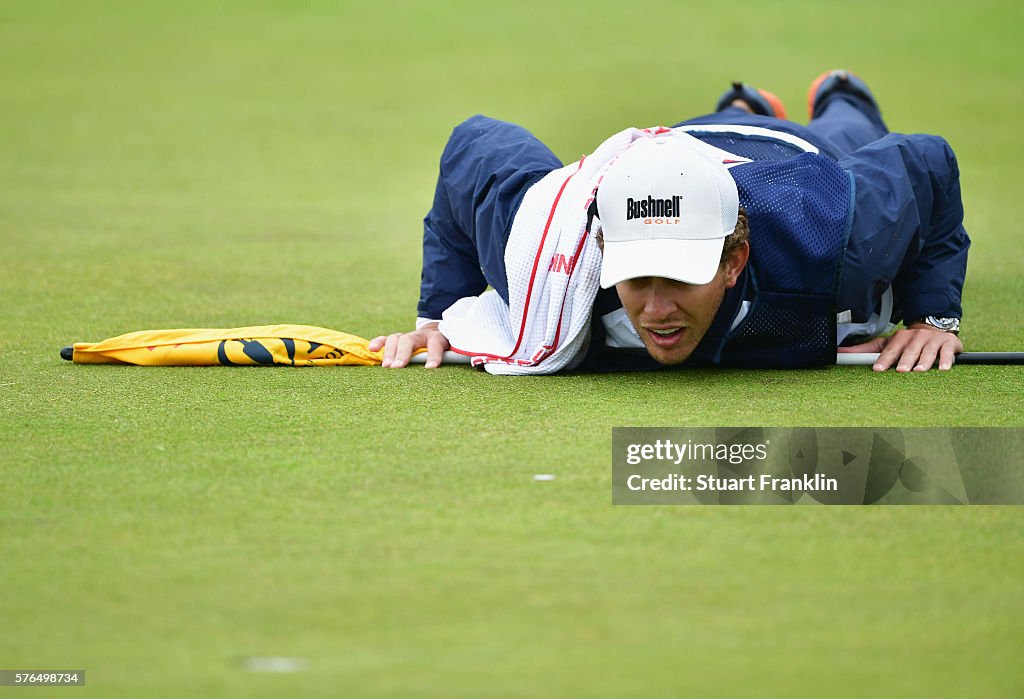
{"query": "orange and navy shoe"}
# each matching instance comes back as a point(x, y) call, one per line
point(760, 101)
point(833, 81)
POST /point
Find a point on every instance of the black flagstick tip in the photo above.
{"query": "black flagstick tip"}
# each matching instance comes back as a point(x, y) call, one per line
point(67, 353)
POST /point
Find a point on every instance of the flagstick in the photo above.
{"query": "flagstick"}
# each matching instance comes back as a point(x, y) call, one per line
point(842, 358)
point(449, 358)
point(868, 359)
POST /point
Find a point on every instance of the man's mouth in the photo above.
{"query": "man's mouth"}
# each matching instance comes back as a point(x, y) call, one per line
point(665, 337)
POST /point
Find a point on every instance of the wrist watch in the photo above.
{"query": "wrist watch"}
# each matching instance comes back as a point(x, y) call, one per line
point(948, 325)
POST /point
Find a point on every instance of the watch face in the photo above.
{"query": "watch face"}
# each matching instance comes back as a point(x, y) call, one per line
point(947, 324)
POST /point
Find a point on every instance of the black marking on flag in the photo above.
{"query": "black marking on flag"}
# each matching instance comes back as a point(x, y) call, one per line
point(255, 351)
point(222, 355)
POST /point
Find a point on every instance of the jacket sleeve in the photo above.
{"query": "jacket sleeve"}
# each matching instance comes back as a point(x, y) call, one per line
point(486, 168)
point(907, 228)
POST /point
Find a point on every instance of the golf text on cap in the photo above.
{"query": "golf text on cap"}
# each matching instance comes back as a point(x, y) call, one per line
point(651, 208)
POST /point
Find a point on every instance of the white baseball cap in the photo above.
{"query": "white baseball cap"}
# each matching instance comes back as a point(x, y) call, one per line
point(666, 206)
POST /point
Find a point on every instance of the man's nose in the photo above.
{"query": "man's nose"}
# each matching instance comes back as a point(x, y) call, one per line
point(658, 303)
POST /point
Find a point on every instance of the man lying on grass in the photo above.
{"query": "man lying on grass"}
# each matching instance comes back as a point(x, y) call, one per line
point(735, 239)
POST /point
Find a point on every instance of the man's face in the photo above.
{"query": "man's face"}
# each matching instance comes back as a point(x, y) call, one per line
point(673, 317)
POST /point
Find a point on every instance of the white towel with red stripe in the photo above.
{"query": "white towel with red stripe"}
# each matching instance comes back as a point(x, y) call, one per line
point(554, 270)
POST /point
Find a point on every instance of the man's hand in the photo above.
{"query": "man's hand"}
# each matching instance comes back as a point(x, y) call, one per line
point(913, 349)
point(399, 347)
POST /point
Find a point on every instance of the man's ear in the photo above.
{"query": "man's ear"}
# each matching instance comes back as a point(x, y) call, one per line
point(735, 263)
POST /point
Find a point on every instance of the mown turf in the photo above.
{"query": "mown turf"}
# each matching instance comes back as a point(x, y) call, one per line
point(219, 164)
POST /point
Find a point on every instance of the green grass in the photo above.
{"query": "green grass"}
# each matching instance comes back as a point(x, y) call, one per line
point(198, 164)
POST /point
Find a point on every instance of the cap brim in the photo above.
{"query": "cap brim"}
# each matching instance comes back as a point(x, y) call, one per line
point(690, 261)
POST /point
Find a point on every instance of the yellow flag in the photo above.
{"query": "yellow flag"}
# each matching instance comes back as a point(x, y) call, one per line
point(266, 345)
